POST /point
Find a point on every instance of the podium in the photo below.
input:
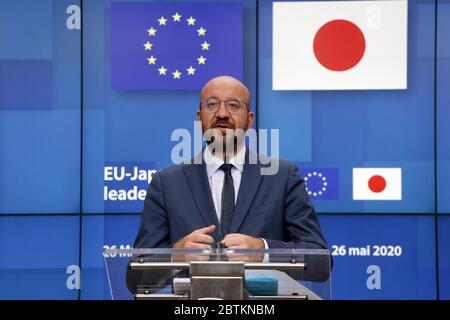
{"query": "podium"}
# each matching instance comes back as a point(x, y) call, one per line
point(218, 274)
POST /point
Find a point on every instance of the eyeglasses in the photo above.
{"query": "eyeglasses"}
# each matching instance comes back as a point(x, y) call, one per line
point(212, 104)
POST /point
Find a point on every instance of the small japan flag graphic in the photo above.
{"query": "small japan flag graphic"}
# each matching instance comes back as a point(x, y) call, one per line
point(340, 45)
point(377, 184)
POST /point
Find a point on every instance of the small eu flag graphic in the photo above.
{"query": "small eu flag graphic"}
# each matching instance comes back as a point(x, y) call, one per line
point(174, 45)
point(321, 183)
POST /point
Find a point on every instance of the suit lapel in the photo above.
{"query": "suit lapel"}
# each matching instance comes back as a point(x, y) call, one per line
point(197, 180)
point(250, 181)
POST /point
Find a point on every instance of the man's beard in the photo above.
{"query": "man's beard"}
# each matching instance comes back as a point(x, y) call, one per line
point(224, 144)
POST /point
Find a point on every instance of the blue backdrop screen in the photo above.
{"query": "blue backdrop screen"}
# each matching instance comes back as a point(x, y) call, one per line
point(70, 126)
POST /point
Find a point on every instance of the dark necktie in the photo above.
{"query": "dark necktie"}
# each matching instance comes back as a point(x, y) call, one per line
point(227, 199)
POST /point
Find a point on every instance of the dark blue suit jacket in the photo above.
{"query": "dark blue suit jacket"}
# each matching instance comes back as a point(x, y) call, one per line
point(276, 208)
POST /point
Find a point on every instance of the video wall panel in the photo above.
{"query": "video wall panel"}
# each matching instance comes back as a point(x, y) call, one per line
point(129, 125)
point(365, 128)
point(382, 257)
point(443, 108)
point(104, 232)
point(444, 257)
point(39, 257)
point(40, 103)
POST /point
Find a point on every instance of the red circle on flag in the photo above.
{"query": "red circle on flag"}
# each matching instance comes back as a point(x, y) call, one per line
point(339, 45)
point(377, 183)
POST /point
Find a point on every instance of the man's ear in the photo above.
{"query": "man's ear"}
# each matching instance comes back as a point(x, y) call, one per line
point(250, 119)
point(199, 117)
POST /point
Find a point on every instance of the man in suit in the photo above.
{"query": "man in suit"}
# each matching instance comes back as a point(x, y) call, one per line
point(225, 198)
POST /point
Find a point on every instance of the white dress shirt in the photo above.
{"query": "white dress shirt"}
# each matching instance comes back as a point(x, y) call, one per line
point(216, 177)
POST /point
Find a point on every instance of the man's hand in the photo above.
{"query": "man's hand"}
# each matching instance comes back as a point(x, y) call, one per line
point(198, 239)
point(242, 241)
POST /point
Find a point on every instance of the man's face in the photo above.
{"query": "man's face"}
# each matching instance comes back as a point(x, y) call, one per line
point(224, 89)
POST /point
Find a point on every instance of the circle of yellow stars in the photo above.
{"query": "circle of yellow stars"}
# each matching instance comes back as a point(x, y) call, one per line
point(162, 70)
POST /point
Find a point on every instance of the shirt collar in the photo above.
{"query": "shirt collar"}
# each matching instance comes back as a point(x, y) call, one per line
point(213, 163)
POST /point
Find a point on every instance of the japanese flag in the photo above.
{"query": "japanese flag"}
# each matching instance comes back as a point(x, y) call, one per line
point(377, 184)
point(340, 45)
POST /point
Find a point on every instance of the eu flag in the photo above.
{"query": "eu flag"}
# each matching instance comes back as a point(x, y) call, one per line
point(321, 183)
point(174, 45)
